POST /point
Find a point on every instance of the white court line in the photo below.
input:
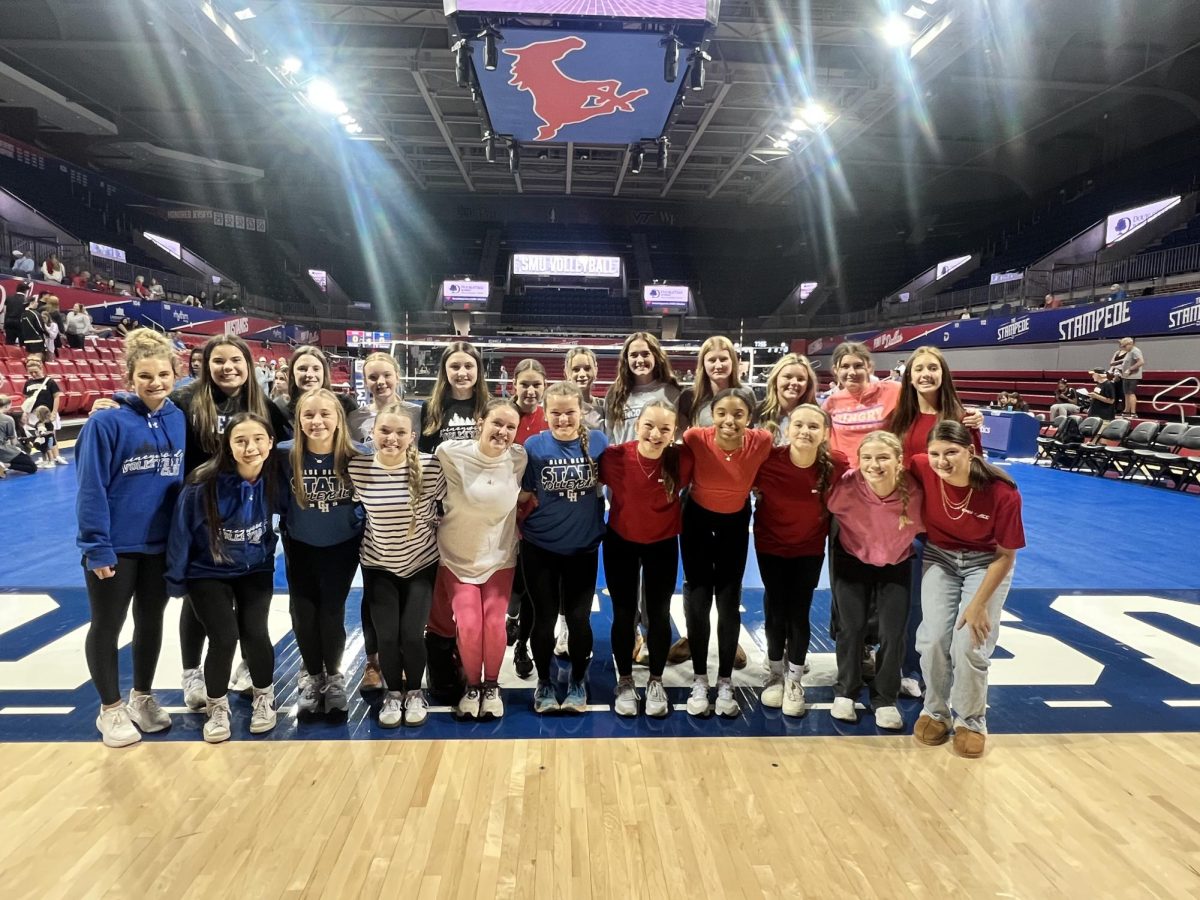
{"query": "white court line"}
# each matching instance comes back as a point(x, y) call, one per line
point(1184, 704)
point(1078, 704)
point(36, 710)
point(683, 706)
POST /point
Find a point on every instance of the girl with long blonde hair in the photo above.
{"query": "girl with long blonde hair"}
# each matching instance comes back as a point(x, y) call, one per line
point(581, 367)
point(716, 370)
point(792, 382)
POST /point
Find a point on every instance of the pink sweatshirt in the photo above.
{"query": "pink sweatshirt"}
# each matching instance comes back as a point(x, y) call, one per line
point(869, 525)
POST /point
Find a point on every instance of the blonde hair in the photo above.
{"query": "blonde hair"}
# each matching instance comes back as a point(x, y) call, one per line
point(343, 449)
point(412, 459)
point(380, 356)
point(702, 388)
point(579, 350)
point(570, 389)
point(770, 408)
point(892, 442)
point(145, 343)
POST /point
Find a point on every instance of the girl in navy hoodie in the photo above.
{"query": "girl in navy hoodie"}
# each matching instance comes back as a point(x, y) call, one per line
point(129, 460)
point(221, 554)
point(321, 537)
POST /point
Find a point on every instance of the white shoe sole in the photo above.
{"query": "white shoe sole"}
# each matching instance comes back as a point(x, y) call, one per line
point(728, 709)
point(772, 697)
point(218, 738)
point(843, 717)
point(150, 728)
point(386, 724)
point(626, 712)
point(658, 712)
point(795, 711)
point(493, 713)
point(263, 727)
point(116, 744)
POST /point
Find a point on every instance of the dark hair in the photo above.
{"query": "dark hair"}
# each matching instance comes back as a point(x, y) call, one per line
point(222, 463)
point(203, 407)
point(908, 406)
point(741, 393)
point(442, 395)
point(983, 473)
point(293, 392)
point(670, 457)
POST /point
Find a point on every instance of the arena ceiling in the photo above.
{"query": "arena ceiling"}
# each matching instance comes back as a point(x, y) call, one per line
point(1014, 97)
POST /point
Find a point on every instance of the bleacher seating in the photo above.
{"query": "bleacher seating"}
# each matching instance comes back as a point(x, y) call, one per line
point(980, 387)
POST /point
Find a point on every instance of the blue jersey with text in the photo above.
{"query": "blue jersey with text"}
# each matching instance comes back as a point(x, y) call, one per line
point(569, 516)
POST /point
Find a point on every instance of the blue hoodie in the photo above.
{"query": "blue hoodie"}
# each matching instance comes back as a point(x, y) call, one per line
point(129, 465)
point(249, 540)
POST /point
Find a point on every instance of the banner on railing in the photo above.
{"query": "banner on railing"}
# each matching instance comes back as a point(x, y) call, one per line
point(1145, 317)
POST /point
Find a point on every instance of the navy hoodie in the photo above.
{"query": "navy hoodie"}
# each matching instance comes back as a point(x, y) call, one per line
point(249, 539)
point(129, 465)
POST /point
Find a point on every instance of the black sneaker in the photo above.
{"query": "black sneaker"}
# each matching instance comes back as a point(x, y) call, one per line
point(521, 661)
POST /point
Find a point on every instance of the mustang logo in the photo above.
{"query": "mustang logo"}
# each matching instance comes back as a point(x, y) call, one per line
point(559, 100)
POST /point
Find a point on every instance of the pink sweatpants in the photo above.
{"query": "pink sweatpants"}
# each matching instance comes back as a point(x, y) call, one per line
point(479, 611)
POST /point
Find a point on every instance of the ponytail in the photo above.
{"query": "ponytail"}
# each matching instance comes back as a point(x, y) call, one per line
point(413, 458)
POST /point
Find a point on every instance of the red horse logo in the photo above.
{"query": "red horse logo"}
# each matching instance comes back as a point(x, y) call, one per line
point(559, 100)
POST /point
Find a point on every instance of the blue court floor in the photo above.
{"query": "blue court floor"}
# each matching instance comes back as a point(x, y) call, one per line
point(1101, 633)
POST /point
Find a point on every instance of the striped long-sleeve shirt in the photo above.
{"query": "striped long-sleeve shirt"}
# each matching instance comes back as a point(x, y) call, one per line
point(384, 495)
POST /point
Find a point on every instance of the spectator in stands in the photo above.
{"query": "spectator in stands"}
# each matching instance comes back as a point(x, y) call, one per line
point(14, 309)
point(1001, 401)
point(1064, 400)
point(103, 285)
point(1104, 396)
point(189, 300)
point(53, 308)
point(22, 265)
point(139, 288)
point(262, 374)
point(157, 291)
point(1051, 302)
point(78, 325)
point(202, 299)
point(1116, 293)
point(12, 454)
point(503, 381)
point(309, 370)
point(33, 330)
point(279, 390)
point(41, 391)
point(1130, 373)
point(125, 326)
point(274, 366)
point(791, 382)
point(51, 333)
point(1016, 403)
point(81, 279)
point(861, 405)
point(53, 270)
point(195, 364)
point(966, 313)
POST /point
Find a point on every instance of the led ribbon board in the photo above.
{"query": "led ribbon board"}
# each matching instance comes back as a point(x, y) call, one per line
point(1121, 225)
point(626, 9)
point(576, 266)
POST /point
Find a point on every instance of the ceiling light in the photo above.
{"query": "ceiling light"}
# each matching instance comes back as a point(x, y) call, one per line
point(291, 66)
point(354, 128)
point(243, 14)
point(895, 31)
point(798, 125)
point(346, 119)
point(790, 136)
point(323, 97)
point(780, 144)
point(915, 12)
point(814, 113)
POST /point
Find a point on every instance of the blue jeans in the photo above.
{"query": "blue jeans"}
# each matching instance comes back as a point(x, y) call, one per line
point(955, 671)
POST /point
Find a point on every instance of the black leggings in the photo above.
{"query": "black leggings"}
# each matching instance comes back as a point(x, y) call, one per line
point(520, 605)
point(400, 609)
point(318, 580)
point(626, 564)
point(857, 588)
point(23, 462)
point(788, 584)
point(191, 636)
point(714, 547)
point(561, 581)
point(232, 610)
point(138, 578)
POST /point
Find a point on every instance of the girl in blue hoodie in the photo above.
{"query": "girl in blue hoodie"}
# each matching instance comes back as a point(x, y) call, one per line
point(129, 465)
point(221, 554)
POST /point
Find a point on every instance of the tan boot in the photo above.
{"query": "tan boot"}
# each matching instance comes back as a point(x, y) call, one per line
point(930, 731)
point(969, 744)
point(680, 652)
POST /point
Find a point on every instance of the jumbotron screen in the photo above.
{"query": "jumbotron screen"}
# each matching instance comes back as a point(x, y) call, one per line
point(377, 339)
point(627, 9)
point(666, 297)
point(466, 295)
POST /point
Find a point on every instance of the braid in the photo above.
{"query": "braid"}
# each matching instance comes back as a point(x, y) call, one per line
point(902, 486)
point(414, 485)
point(670, 471)
point(583, 444)
point(825, 470)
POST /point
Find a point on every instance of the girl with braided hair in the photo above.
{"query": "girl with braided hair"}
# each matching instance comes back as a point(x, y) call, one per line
point(399, 488)
point(879, 507)
point(791, 524)
point(561, 538)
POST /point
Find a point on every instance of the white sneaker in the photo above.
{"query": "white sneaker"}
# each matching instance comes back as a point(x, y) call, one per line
point(147, 714)
point(309, 701)
point(910, 687)
point(561, 645)
point(626, 703)
point(195, 695)
point(697, 704)
point(889, 717)
point(468, 706)
point(843, 710)
point(116, 728)
point(216, 729)
point(657, 705)
point(392, 713)
point(416, 709)
point(262, 713)
point(794, 703)
point(772, 693)
point(62, 461)
point(241, 683)
point(727, 705)
point(491, 706)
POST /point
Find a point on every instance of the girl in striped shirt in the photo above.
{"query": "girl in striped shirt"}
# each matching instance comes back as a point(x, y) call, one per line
point(399, 488)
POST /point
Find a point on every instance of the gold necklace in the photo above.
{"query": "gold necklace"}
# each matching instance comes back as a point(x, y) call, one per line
point(653, 468)
point(948, 504)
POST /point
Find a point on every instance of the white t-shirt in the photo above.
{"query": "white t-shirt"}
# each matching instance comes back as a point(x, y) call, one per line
point(626, 430)
point(478, 533)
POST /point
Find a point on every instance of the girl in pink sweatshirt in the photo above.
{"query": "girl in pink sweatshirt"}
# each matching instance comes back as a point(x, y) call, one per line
point(878, 508)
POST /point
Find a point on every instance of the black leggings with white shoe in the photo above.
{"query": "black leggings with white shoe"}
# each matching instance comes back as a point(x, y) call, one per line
point(230, 610)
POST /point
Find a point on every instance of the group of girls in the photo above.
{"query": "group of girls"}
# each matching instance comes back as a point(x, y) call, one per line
point(470, 508)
